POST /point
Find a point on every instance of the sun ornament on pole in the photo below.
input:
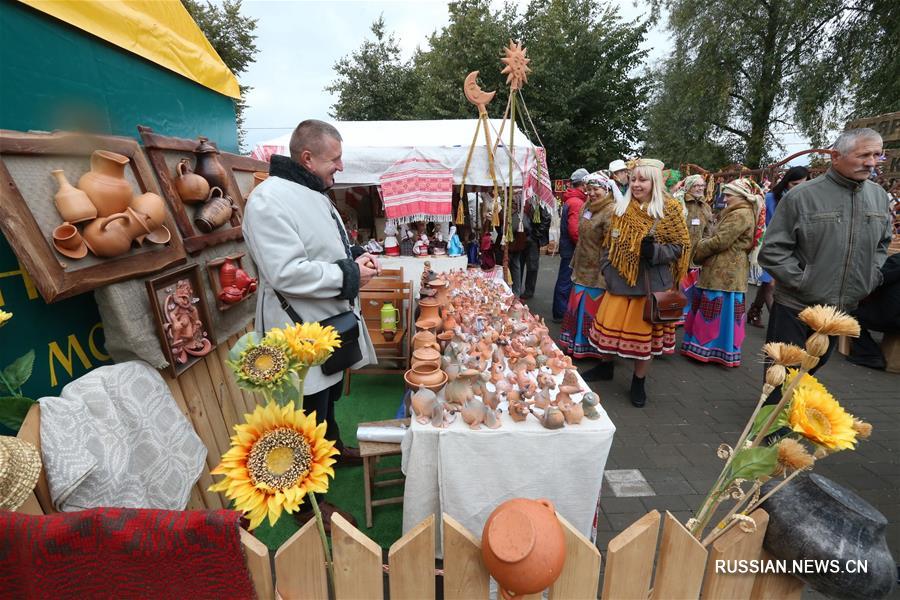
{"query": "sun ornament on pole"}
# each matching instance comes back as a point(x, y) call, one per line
point(516, 69)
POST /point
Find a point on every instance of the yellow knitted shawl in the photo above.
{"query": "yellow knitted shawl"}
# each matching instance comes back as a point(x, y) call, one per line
point(626, 232)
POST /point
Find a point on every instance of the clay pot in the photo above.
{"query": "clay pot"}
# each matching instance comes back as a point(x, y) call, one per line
point(231, 295)
point(191, 188)
point(226, 273)
point(109, 236)
point(425, 339)
point(444, 338)
point(216, 212)
point(208, 165)
point(426, 356)
point(429, 310)
point(258, 178)
point(523, 546)
point(73, 205)
point(425, 375)
point(105, 183)
point(243, 281)
point(388, 334)
point(442, 290)
point(151, 205)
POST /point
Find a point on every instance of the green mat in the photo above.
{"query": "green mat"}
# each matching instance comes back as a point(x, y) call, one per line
point(372, 398)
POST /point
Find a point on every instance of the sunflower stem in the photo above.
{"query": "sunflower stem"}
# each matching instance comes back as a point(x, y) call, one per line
point(325, 547)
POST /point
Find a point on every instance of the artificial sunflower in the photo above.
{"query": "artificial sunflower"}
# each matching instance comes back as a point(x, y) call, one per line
point(277, 457)
point(262, 367)
point(808, 381)
point(4, 317)
point(310, 344)
point(818, 417)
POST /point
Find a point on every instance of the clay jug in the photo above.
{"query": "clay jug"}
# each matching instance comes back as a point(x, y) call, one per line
point(105, 183)
point(191, 188)
point(152, 206)
point(425, 339)
point(428, 310)
point(109, 236)
point(523, 546)
point(73, 204)
point(216, 212)
point(208, 165)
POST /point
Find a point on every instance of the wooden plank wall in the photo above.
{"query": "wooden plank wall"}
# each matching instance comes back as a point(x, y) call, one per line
point(209, 397)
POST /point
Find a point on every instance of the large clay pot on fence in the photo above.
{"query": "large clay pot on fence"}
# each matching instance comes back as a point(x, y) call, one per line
point(105, 183)
point(813, 517)
point(208, 165)
point(73, 204)
point(109, 236)
point(216, 212)
point(523, 546)
point(191, 188)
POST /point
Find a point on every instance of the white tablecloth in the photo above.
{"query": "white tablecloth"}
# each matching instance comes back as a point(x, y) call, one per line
point(413, 266)
point(467, 473)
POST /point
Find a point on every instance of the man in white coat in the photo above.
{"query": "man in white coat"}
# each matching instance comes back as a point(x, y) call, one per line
point(301, 249)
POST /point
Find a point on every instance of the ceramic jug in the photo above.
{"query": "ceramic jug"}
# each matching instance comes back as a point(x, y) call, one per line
point(152, 206)
point(109, 236)
point(105, 183)
point(73, 205)
point(216, 212)
point(523, 546)
point(191, 188)
point(208, 165)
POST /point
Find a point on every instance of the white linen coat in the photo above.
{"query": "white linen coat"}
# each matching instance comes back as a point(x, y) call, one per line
point(293, 239)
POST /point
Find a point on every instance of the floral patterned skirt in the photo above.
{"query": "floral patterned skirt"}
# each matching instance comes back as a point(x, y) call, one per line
point(620, 329)
point(714, 329)
point(578, 321)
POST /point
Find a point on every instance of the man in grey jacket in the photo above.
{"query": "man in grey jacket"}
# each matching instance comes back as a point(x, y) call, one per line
point(301, 249)
point(828, 239)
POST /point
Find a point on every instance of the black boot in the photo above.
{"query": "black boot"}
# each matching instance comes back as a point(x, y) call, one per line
point(602, 372)
point(638, 394)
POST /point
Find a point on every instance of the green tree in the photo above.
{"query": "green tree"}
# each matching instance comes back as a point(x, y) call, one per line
point(585, 93)
point(233, 37)
point(374, 83)
point(759, 64)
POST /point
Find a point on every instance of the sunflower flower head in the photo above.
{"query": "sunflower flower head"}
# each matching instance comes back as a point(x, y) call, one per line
point(4, 317)
point(787, 355)
point(792, 456)
point(818, 417)
point(808, 381)
point(310, 344)
point(277, 456)
point(262, 366)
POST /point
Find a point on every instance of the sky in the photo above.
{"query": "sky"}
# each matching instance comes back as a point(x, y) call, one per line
point(299, 42)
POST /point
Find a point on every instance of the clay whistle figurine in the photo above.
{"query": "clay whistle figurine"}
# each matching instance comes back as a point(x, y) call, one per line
point(423, 404)
point(552, 418)
point(573, 413)
point(473, 413)
point(589, 403)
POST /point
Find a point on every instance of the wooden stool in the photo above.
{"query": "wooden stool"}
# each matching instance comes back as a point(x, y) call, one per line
point(370, 453)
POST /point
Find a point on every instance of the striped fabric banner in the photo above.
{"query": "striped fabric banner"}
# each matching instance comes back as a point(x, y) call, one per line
point(417, 188)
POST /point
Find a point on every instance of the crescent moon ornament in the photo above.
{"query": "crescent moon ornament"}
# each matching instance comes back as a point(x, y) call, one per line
point(475, 94)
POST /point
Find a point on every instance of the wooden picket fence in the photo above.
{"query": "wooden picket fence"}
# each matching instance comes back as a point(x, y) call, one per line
point(683, 567)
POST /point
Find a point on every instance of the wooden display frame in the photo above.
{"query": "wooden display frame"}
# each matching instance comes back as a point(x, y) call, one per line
point(52, 275)
point(244, 164)
point(194, 241)
point(155, 287)
point(212, 270)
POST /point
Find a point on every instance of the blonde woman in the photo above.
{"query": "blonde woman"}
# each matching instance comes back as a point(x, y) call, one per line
point(587, 281)
point(647, 250)
point(714, 328)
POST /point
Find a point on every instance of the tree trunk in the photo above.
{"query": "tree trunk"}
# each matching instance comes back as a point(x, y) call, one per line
point(765, 91)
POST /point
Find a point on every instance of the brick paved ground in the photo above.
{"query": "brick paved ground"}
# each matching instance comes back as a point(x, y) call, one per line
point(692, 408)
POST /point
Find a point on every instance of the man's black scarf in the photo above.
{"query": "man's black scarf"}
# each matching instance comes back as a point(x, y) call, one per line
point(286, 168)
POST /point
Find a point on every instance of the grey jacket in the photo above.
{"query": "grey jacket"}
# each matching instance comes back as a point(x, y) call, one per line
point(827, 241)
point(658, 270)
point(293, 238)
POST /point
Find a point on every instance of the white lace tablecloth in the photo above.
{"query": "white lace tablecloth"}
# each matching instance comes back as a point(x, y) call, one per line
point(467, 473)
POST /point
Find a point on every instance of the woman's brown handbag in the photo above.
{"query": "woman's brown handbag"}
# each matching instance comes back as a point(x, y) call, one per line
point(665, 307)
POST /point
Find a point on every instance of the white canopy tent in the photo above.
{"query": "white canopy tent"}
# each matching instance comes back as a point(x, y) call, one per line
point(371, 147)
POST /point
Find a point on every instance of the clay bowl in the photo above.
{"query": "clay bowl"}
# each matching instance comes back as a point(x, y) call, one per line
point(162, 235)
point(428, 324)
point(429, 376)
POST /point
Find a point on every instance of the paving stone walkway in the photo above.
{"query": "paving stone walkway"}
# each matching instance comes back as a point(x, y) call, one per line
point(671, 443)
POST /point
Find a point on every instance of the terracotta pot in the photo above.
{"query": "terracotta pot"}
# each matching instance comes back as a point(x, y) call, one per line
point(426, 356)
point(138, 225)
point(523, 546)
point(105, 183)
point(108, 236)
point(191, 188)
point(208, 165)
point(425, 375)
point(151, 205)
point(425, 339)
point(258, 178)
point(429, 310)
point(216, 212)
point(73, 205)
point(442, 290)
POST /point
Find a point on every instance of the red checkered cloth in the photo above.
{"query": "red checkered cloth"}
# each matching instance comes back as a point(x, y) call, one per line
point(123, 553)
point(539, 183)
point(417, 188)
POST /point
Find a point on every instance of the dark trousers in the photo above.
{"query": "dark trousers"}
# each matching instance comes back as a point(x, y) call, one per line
point(323, 403)
point(563, 286)
point(523, 267)
point(785, 326)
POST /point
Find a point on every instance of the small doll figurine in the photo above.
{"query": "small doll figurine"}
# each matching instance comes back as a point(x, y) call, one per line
point(391, 245)
point(455, 247)
point(487, 249)
point(420, 248)
point(406, 244)
point(438, 246)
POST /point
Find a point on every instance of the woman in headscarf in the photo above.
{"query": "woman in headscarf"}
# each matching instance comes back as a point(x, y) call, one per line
point(765, 293)
point(714, 329)
point(587, 281)
point(646, 250)
point(699, 217)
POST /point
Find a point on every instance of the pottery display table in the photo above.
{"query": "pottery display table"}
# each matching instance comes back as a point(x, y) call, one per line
point(413, 266)
point(467, 473)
